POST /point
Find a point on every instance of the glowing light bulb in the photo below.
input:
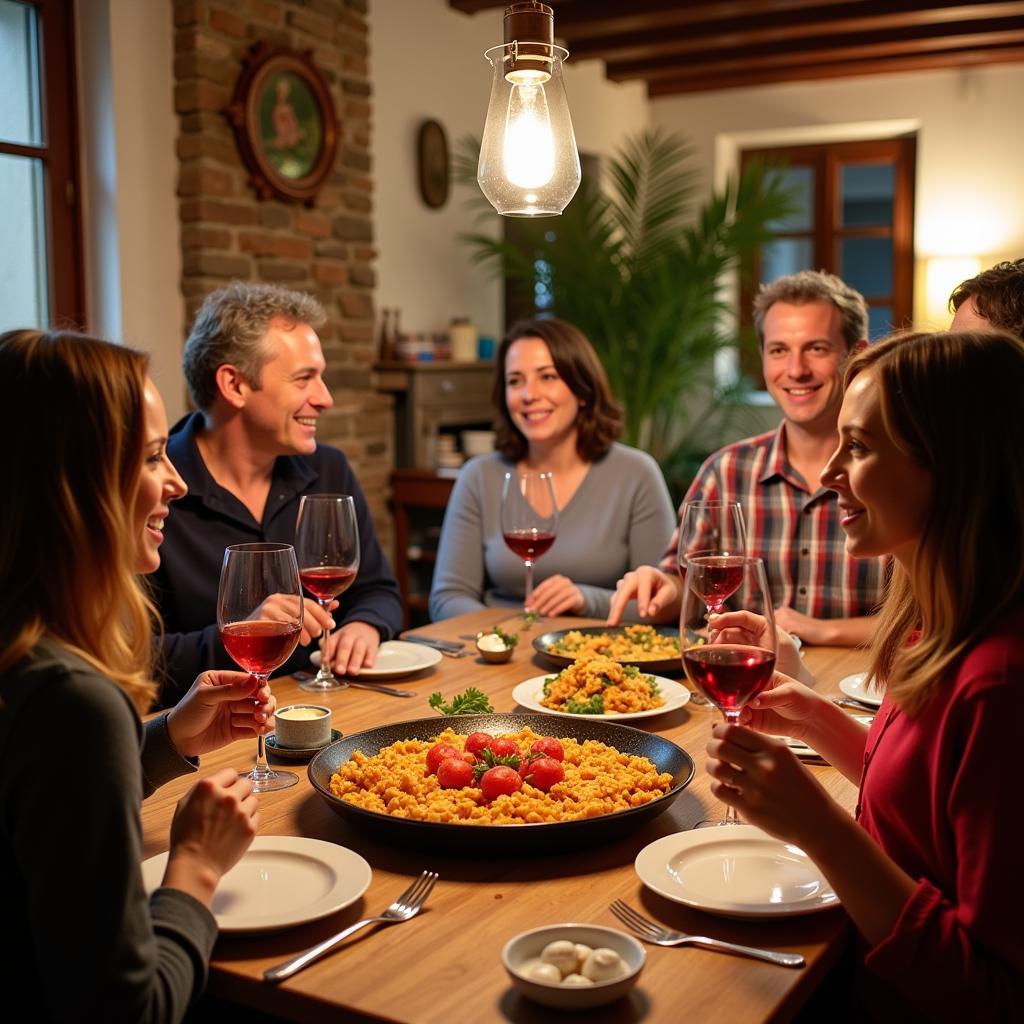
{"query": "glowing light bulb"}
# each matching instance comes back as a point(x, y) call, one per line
point(529, 154)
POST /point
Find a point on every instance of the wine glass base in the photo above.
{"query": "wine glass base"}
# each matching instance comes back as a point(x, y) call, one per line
point(270, 781)
point(318, 685)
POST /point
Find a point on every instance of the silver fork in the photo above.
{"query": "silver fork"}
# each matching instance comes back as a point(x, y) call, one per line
point(648, 931)
point(409, 904)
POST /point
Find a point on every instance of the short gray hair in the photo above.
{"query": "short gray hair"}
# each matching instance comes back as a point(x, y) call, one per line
point(815, 286)
point(231, 326)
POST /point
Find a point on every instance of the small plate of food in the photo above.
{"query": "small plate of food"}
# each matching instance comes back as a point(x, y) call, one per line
point(652, 648)
point(603, 688)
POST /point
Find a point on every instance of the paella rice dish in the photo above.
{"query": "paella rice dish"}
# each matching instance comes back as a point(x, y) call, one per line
point(598, 780)
point(596, 685)
point(634, 643)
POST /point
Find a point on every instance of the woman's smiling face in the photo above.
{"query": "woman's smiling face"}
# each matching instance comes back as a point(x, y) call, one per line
point(541, 405)
point(884, 493)
point(159, 484)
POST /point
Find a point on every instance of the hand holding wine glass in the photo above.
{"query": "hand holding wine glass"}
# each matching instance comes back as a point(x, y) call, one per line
point(726, 672)
point(259, 616)
point(529, 519)
point(327, 550)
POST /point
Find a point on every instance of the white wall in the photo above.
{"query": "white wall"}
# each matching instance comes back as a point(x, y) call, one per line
point(427, 62)
point(969, 155)
point(129, 178)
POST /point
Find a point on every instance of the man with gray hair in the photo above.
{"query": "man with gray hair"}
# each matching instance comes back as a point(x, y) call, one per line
point(249, 453)
point(808, 324)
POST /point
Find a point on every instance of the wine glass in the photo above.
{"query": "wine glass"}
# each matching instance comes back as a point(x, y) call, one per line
point(529, 519)
point(259, 617)
point(715, 530)
point(327, 550)
point(727, 673)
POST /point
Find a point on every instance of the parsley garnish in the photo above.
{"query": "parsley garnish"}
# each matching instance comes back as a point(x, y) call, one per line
point(472, 702)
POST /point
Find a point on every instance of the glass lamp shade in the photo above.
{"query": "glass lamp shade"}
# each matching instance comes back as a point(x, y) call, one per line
point(529, 166)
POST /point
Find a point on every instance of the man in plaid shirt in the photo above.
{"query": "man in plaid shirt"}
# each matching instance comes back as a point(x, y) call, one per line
point(808, 323)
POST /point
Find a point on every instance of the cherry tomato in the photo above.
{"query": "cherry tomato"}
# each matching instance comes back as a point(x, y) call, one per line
point(549, 747)
point(504, 747)
point(544, 773)
point(477, 741)
point(454, 773)
point(501, 780)
point(440, 752)
point(468, 757)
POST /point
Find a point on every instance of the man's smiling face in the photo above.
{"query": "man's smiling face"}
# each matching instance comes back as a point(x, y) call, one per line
point(803, 357)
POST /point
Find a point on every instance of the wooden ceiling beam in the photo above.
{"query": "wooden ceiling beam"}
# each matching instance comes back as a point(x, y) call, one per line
point(819, 51)
point(666, 42)
point(686, 83)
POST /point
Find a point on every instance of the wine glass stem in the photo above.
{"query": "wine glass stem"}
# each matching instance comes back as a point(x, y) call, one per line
point(262, 769)
point(529, 585)
point(325, 672)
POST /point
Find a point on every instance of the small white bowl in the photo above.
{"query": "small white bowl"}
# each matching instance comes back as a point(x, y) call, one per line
point(528, 945)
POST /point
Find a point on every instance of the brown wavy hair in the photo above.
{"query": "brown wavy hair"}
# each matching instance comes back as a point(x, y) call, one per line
point(72, 413)
point(998, 295)
point(599, 419)
point(952, 403)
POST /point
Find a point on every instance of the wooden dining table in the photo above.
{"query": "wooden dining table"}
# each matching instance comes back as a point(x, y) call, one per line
point(445, 964)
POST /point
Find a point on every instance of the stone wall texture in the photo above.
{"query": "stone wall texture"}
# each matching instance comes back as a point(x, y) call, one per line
point(326, 248)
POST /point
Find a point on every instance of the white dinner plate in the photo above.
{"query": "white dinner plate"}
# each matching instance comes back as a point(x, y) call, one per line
point(736, 871)
point(395, 658)
point(280, 881)
point(855, 686)
point(530, 693)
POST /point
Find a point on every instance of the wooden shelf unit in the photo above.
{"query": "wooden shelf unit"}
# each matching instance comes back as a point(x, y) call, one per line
point(418, 500)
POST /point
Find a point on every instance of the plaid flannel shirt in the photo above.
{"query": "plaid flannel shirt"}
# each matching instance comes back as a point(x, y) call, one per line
point(795, 531)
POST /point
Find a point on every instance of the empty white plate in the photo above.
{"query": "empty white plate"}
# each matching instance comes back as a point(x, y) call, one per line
point(855, 686)
point(395, 658)
point(736, 871)
point(530, 693)
point(281, 881)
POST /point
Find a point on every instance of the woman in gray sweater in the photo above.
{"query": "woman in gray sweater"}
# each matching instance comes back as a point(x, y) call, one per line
point(555, 413)
point(88, 487)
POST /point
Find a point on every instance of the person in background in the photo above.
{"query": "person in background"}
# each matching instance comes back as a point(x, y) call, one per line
point(555, 413)
point(255, 369)
point(809, 324)
point(993, 299)
point(88, 492)
point(928, 471)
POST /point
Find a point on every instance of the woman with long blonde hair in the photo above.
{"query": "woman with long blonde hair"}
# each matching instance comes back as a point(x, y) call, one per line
point(930, 470)
point(87, 487)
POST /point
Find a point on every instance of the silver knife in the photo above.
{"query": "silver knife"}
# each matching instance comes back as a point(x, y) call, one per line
point(381, 689)
point(440, 645)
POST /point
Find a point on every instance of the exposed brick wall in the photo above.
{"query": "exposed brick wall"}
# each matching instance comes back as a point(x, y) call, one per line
point(326, 249)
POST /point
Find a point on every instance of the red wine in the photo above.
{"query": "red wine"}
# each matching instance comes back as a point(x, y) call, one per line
point(327, 581)
point(529, 545)
point(729, 674)
point(260, 645)
point(715, 579)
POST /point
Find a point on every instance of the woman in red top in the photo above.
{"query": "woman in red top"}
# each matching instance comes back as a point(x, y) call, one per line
point(929, 469)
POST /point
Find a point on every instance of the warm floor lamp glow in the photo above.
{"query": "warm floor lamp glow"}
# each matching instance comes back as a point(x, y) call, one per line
point(529, 166)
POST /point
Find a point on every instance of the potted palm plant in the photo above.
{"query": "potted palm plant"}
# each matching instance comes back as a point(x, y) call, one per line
point(638, 265)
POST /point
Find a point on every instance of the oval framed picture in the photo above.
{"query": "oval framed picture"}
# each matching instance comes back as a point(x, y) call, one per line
point(432, 164)
point(284, 123)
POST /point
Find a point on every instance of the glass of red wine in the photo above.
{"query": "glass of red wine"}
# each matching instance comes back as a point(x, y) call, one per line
point(529, 519)
point(327, 549)
point(727, 673)
point(714, 530)
point(259, 618)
